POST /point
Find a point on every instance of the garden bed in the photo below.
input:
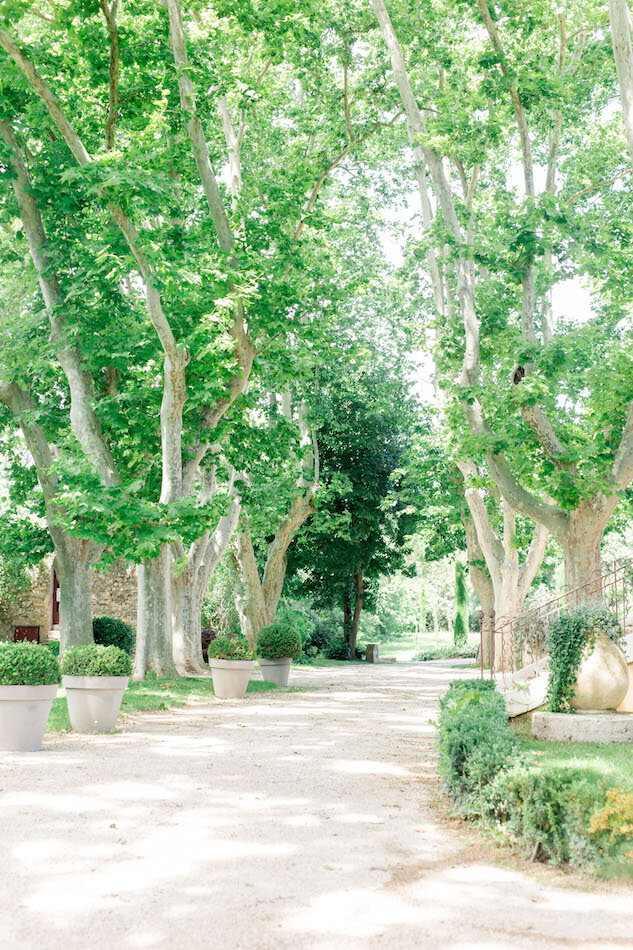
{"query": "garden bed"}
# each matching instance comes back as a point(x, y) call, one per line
point(548, 799)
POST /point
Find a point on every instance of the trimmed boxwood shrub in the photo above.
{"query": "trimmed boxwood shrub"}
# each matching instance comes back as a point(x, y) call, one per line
point(563, 815)
point(277, 641)
point(93, 660)
point(114, 633)
point(27, 664)
point(475, 742)
point(53, 646)
point(231, 648)
point(548, 811)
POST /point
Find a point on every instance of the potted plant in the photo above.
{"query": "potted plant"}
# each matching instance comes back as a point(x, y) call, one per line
point(29, 676)
point(588, 669)
point(95, 678)
point(231, 660)
point(277, 646)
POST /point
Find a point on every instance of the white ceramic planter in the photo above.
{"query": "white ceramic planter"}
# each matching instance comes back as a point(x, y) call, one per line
point(230, 677)
point(276, 671)
point(94, 701)
point(23, 714)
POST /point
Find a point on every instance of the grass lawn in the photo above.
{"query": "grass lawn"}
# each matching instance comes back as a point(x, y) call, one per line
point(405, 645)
point(612, 761)
point(153, 693)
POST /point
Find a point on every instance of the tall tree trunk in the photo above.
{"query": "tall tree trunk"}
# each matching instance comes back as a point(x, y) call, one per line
point(482, 584)
point(257, 600)
point(581, 544)
point(347, 615)
point(188, 590)
point(249, 595)
point(620, 18)
point(153, 633)
point(581, 540)
point(73, 566)
point(186, 611)
point(355, 619)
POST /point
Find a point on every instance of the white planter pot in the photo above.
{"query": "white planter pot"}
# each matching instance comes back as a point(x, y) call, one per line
point(276, 671)
point(23, 714)
point(230, 677)
point(94, 701)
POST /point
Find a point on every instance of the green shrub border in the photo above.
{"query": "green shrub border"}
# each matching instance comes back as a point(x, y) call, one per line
point(568, 816)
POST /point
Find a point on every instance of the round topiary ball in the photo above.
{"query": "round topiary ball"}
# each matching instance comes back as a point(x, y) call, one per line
point(27, 664)
point(278, 641)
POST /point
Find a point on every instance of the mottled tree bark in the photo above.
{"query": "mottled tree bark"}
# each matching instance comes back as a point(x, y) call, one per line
point(153, 632)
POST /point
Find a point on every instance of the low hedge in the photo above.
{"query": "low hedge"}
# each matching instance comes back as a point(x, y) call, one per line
point(566, 816)
point(231, 648)
point(277, 641)
point(27, 664)
point(475, 742)
point(465, 651)
point(94, 660)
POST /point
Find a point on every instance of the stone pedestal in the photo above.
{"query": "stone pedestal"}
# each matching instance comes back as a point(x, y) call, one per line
point(372, 654)
point(602, 726)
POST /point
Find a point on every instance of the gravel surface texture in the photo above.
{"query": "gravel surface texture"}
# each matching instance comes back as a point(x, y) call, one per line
point(296, 820)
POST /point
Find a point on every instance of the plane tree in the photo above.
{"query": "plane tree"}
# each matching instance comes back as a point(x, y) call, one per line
point(506, 94)
point(114, 101)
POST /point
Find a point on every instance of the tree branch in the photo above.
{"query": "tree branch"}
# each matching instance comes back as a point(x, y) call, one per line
point(534, 558)
point(544, 430)
point(85, 423)
point(195, 130)
point(489, 543)
point(109, 13)
point(174, 388)
point(523, 501)
point(623, 462)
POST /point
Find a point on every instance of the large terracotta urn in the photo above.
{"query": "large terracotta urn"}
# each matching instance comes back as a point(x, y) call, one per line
point(603, 677)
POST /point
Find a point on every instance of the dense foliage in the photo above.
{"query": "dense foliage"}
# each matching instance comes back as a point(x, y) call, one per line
point(564, 815)
point(460, 626)
point(475, 742)
point(108, 631)
point(27, 664)
point(94, 660)
point(572, 637)
point(278, 640)
point(231, 648)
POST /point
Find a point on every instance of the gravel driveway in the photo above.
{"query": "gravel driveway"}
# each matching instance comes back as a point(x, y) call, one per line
point(300, 820)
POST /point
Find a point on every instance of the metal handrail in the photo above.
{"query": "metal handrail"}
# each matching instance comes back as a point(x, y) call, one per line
point(516, 642)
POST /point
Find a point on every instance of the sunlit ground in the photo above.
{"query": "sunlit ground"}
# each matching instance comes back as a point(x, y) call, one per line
point(287, 820)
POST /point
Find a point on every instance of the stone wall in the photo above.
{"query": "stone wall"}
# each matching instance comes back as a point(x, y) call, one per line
point(35, 606)
point(113, 595)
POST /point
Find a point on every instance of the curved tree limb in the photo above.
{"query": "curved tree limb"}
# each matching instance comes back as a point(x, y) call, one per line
point(84, 420)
